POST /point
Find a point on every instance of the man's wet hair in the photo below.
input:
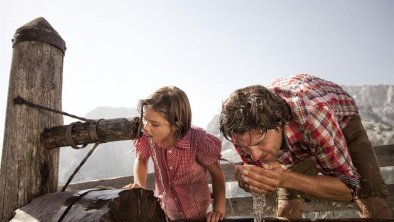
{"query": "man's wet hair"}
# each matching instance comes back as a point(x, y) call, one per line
point(253, 107)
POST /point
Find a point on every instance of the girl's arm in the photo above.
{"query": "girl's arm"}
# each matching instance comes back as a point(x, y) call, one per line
point(140, 172)
point(219, 192)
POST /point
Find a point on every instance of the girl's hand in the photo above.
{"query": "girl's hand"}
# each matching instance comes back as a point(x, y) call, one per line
point(215, 216)
point(131, 186)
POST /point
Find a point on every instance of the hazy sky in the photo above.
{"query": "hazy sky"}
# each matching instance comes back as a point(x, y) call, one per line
point(121, 51)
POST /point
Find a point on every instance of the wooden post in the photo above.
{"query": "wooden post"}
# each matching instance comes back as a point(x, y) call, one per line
point(28, 169)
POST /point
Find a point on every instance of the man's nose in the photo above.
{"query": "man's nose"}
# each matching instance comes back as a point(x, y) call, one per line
point(255, 153)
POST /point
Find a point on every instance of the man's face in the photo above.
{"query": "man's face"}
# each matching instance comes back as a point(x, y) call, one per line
point(260, 146)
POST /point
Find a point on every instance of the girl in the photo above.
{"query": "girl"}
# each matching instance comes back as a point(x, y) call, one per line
point(182, 155)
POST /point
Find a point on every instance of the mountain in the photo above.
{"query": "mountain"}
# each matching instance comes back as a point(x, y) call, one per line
point(376, 104)
point(109, 160)
point(116, 159)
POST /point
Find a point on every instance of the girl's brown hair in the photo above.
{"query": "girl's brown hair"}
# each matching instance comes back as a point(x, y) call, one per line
point(173, 103)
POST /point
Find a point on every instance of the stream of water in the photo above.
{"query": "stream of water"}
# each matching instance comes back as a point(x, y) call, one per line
point(259, 205)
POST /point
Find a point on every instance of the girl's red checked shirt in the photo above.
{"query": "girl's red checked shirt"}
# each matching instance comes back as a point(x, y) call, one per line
point(320, 109)
point(181, 173)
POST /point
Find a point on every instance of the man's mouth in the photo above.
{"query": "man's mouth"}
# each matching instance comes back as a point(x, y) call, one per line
point(267, 156)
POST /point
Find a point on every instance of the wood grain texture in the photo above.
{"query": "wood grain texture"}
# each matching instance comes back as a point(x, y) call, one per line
point(101, 205)
point(28, 169)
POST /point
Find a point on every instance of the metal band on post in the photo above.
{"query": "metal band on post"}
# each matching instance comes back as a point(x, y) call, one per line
point(93, 131)
point(38, 35)
point(69, 137)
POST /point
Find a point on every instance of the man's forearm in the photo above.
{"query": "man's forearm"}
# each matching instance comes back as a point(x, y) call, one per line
point(320, 186)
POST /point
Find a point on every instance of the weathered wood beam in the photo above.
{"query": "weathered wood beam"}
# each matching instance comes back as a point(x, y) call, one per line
point(82, 133)
point(28, 169)
point(385, 154)
point(244, 205)
point(94, 205)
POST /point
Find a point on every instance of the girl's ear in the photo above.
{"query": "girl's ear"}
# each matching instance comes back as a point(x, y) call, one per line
point(174, 127)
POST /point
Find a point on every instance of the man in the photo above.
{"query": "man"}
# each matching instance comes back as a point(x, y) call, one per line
point(293, 130)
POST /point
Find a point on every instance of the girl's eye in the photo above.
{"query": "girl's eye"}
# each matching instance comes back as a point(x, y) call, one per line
point(144, 122)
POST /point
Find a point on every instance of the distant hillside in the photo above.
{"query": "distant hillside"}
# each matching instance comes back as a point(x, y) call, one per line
point(116, 159)
point(109, 159)
point(376, 105)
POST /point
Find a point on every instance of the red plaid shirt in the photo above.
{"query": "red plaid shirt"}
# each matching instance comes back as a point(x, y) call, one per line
point(320, 109)
point(181, 170)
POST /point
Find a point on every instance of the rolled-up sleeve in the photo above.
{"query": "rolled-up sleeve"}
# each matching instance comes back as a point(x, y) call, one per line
point(142, 147)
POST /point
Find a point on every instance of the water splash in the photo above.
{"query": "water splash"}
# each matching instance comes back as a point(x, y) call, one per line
point(231, 207)
point(259, 205)
point(154, 156)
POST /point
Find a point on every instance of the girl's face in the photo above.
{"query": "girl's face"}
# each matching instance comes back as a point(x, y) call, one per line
point(157, 127)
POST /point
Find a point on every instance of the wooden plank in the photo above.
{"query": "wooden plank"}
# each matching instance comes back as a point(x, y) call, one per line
point(244, 205)
point(117, 183)
point(385, 154)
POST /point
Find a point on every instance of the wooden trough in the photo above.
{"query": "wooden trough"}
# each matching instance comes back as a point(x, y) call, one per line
point(94, 205)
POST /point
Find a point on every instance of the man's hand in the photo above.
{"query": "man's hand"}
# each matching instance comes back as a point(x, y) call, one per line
point(238, 177)
point(214, 216)
point(260, 179)
point(131, 186)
